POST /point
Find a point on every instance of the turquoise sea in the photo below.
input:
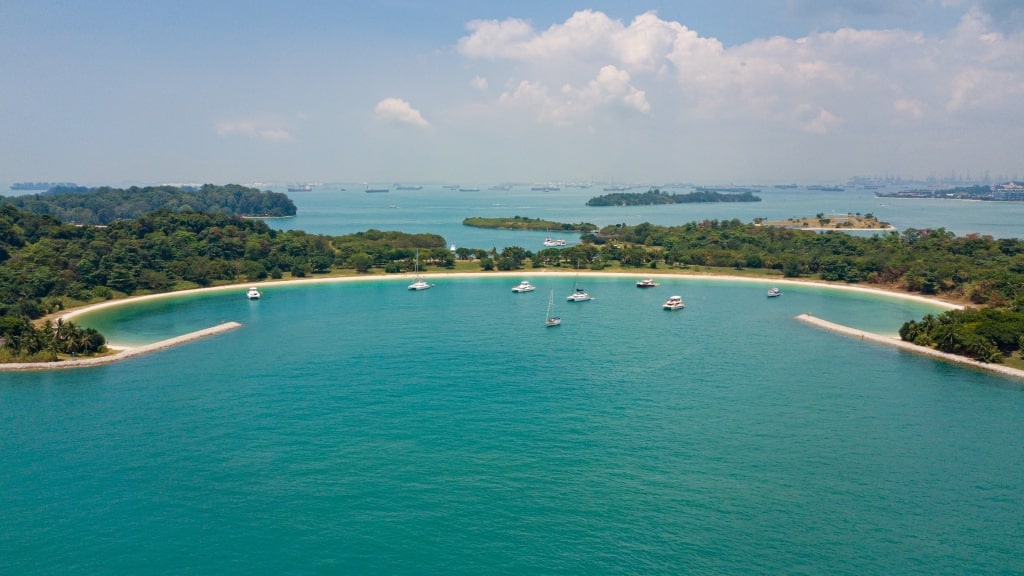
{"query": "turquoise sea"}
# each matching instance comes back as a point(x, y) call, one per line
point(358, 427)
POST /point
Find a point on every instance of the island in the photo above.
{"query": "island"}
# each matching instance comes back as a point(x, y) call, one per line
point(1008, 192)
point(821, 221)
point(39, 185)
point(526, 223)
point(655, 196)
point(105, 205)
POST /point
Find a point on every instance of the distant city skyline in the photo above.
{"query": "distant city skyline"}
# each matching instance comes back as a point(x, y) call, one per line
point(736, 91)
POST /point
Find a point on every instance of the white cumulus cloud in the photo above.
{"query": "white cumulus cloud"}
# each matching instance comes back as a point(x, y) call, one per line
point(398, 110)
point(848, 76)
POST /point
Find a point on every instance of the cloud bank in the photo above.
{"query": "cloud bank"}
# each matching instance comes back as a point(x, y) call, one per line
point(817, 84)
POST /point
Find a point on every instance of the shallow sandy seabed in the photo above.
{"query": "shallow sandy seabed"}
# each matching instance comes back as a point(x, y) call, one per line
point(129, 352)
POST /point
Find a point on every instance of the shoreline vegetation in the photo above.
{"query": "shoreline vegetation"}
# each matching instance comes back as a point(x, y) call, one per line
point(105, 205)
point(525, 223)
point(47, 267)
point(126, 352)
point(655, 196)
point(851, 222)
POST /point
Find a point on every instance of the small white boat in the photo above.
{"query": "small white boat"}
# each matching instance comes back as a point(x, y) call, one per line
point(774, 292)
point(646, 283)
point(579, 295)
point(524, 286)
point(674, 303)
point(420, 283)
point(549, 242)
point(550, 320)
point(253, 294)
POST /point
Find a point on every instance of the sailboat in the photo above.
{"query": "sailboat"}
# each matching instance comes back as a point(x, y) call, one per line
point(578, 294)
point(550, 320)
point(419, 284)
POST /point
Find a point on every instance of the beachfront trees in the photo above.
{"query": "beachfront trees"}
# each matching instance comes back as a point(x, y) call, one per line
point(104, 205)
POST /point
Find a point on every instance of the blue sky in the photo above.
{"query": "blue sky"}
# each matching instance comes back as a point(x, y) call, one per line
point(730, 91)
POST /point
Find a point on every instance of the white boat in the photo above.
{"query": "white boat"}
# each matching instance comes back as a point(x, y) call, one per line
point(774, 292)
point(524, 286)
point(253, 294)
point(552, 243)
point(550, 320)
point(419, 284)
point(674, 303)
point(579, 295)
point(646, 283)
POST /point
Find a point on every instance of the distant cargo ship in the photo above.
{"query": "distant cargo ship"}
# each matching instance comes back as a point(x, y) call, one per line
point(407, 188)
point(376, 190)
point(40, 185)
point(728, 189)
point(821, 188)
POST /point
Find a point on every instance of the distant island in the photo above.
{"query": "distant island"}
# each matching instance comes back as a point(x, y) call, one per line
point(830, 222)
point(39, 185)
point(655, 196)
point(102, 206)
point(1008, 192)
point(525, 223)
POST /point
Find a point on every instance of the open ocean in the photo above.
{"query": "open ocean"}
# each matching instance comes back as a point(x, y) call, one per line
point(358, 427)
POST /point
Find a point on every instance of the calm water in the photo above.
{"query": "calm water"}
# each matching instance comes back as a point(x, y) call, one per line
point(333, 210)
point(363, 428)
point(359, 427)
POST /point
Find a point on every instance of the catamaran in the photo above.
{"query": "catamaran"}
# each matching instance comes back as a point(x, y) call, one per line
point(419, 284)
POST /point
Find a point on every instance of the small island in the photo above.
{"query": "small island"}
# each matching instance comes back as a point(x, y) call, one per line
point(655, 196)
point(526, 223)
point(821, 221)
point(1012, 191)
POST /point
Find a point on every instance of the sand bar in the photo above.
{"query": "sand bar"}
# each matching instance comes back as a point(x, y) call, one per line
point(123, 353)
point(910, 347)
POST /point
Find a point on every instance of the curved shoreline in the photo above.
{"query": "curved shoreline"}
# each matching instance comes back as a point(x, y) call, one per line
point(910, 347)
point(129, 352)
point(122, 354)
point(69, 314)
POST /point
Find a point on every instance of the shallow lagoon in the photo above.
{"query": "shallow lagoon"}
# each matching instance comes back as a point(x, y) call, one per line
point(361, 427)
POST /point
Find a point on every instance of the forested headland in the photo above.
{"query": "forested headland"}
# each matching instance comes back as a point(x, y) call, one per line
point(47, 266)
point(525, 223)
point(656, 196)
point(104, 205)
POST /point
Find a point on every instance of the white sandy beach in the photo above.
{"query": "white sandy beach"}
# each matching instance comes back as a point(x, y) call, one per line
point(133, 351)
point(122, 353)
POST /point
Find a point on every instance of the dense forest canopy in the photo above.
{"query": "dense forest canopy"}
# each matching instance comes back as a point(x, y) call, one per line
point(656, 196)
point(527, 223)
point(47, 265)
point(102, 206)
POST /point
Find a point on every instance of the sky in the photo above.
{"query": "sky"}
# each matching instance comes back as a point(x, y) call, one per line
point(475, 91)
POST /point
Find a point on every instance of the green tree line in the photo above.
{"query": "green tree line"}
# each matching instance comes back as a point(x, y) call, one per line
point(47, 265)
point(102, 206)
point(655, 196)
